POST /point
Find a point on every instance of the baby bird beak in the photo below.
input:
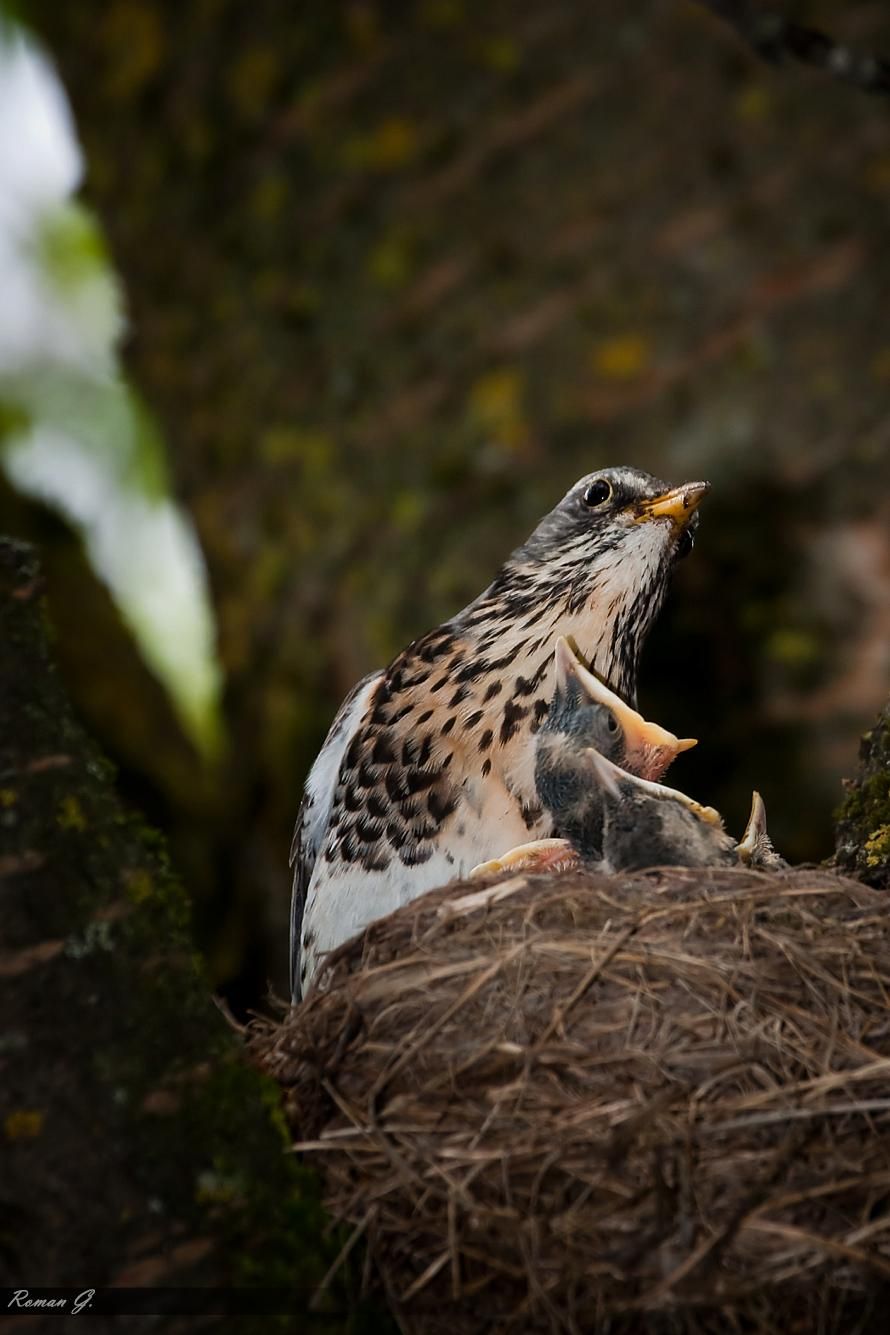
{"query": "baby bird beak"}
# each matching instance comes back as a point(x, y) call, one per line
point(618, 783)
point(756, 848)
point(755, 830)
point(649, 748)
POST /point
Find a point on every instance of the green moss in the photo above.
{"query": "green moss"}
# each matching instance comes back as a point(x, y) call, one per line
point(863, 820)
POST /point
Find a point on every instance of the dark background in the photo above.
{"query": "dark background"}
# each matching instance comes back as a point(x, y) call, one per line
point(397, 275)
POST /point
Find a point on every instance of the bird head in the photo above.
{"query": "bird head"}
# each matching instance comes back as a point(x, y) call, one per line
point(586, 713)
point(598, 566)
point(619, 786)
point(647, 824)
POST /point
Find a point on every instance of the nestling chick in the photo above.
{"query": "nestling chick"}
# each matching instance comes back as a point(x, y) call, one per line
point(585, 713)
point(644, 824)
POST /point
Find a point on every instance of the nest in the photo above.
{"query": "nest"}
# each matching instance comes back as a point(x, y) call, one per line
point(656, 1102)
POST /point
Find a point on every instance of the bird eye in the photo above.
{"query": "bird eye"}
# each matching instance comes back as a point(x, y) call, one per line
point(612, 723)
point(597, 492)
point(685, 545)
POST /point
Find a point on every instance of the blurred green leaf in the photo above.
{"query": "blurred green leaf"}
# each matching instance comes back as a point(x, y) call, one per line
point(73, 434)
point(69, 246)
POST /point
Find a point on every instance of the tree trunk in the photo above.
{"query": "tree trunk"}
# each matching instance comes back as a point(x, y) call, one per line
point(139, 1149)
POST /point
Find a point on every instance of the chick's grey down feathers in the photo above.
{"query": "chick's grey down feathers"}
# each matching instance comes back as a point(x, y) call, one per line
point(639, 830)
point(618, 820)
point(562, 767)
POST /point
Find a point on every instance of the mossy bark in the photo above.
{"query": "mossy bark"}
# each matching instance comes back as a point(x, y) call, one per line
point(138, 1148)
point(863, 821)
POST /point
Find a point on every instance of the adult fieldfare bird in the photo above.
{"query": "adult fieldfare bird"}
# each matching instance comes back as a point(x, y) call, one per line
point(428, 768)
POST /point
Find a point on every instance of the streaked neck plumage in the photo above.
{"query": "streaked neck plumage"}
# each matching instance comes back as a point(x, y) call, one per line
point(606, 605)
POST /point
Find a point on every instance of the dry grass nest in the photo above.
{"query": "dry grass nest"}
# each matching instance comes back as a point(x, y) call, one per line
point(654, 1102)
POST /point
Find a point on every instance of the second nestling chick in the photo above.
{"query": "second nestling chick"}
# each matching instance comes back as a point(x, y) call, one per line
point(642, 824)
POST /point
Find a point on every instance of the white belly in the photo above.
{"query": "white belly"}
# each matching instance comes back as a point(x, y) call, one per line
point(344, 898)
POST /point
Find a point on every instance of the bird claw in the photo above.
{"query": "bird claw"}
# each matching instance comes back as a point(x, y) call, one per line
point(540, 857)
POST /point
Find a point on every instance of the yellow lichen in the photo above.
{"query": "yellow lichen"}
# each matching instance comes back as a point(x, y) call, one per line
point(252, 79)
point(793, 646)
point(877, 846)
point(133, 36)
point(441, 13)
point(362, 24)
point(140, 885)
point(25, 1124)
point(501, 54)
point(753, 104)
point(392, 144)
point(269, 200)
point(880, 363)
point(621, 357)
point(495, 407)
point(877, 174)
point(283, 444)
point(71, 815)
point(390, 261)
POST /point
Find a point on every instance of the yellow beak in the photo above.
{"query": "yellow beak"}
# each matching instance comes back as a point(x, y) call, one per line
point(678, 505)
point(649, 748)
